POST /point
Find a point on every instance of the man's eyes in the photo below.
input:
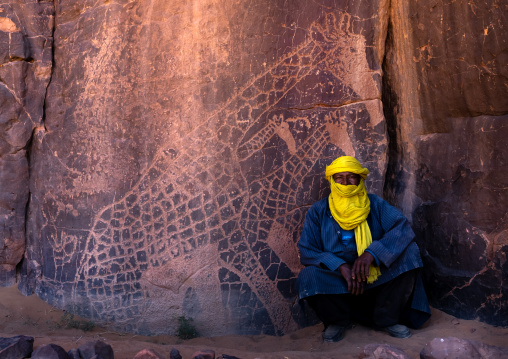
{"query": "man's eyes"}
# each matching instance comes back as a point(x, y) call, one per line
point(347, 178)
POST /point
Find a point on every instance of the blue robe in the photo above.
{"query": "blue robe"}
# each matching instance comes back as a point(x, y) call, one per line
point(322, 252)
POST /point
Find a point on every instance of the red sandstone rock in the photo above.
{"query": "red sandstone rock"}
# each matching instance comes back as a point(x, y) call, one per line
point(382, 351)
point(181, 147)
point(148, 354)
point(442, 348)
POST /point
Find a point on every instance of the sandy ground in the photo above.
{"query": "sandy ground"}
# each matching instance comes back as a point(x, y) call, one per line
point(33, 317)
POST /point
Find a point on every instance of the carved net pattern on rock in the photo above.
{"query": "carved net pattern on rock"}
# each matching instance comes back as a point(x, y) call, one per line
point(215, 196)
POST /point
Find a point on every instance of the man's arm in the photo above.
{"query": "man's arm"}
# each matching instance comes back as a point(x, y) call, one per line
point(311, 246)
point(311, 253)
point(397, 236)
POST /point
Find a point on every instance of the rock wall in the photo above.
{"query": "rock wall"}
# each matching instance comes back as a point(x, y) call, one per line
point(25, 70)
point(181, 143)
point(446, 88)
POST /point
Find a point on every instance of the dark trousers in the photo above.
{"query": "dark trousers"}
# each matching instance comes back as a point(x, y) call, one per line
point(380, 306)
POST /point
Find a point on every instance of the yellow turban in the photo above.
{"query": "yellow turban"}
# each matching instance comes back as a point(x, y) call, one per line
point(350, 205)
point(346, 164)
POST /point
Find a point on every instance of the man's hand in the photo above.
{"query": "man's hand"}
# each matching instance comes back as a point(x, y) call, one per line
point(360, 271)
point(353, 286)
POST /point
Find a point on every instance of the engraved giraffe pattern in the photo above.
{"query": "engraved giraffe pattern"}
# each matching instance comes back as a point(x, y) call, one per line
point(200, 199)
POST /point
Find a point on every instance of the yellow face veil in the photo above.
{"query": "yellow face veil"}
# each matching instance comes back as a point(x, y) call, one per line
point(350, 205)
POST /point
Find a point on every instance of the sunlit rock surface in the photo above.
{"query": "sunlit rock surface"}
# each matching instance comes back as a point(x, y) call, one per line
point(183, 145)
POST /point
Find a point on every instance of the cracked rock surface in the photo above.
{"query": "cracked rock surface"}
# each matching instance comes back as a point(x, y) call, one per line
point(26, 30)
point(182, 148)
point(448, 155)
point(158, 158)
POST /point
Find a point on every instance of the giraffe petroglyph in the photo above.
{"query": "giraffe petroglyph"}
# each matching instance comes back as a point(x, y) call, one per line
point(216, 196)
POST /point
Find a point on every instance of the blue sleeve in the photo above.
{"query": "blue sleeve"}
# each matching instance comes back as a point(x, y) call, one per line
point(375, 257)
point(311, 246)
point(397, 233)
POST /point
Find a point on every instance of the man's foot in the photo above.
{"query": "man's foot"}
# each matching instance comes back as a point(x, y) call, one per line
point(397, 331)
point(334, 333)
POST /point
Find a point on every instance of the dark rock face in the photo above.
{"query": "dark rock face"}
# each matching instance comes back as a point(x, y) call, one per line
point(175, 170)
point(179, 145)
point(460, 57)
point(25, 69)
point(448, 97)
point(468, 271)
point(204, 354)
point(96, 349)
point(19, 346)
point(174, 354)
point(50, 351)
point(74, 353)
point(225, 356)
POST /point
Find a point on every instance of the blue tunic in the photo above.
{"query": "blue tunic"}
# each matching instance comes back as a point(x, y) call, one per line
point(322, 252)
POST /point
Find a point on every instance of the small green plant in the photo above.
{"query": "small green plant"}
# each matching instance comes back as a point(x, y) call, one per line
point(68, 321)
point(186, 330)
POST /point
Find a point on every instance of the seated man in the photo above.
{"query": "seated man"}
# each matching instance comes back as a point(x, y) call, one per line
point(360, 259)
